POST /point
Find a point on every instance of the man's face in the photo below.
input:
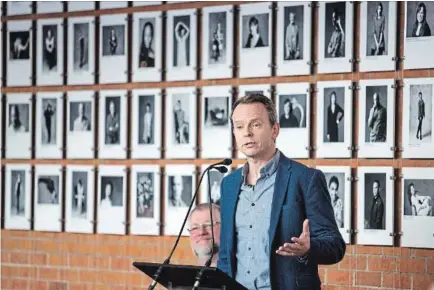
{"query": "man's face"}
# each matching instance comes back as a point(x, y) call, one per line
point(291, 17)
point(420, 96)
point(177, 187)
point(375, 189)
point(200, 239)
point(334, 18)
point(112, 108)
point(286, 108)
point(253, 133)
point(376, 99)
point(81, 109)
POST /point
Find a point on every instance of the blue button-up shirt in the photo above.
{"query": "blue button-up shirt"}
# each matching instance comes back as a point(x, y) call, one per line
point(252, 222)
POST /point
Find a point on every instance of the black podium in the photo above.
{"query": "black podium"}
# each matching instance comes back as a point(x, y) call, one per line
point(183, 277)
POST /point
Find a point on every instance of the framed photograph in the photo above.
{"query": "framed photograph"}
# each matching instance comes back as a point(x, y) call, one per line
point(147, 46)
point(334, 119)
point(145, 200)
point(294, 20)
point(338, 180)
point(378, 36)
point(49, 7)
point(113, 49)
point(19, 53)
point(80, 195)
point(417, 118)
point(181, 49)
point(180, 185)
point(49, 126)
point(81, 59)
point(49, 52)
point(112, 4)
point(18, 192)
point(181, 132)
point(375, 205)
point(113, 124)
point(80, 120)
point(376, 118)
point(419, 34)
point(48, 198)
point(111, 200)
point(19, 7)
point(146, 124)
point(18, 126)
point(293, 110)
point(213, 188)
point(216, 123)
point(80, 5)
point(335, 45)
point(217, 42)
point(255, 40)
point(417, 203)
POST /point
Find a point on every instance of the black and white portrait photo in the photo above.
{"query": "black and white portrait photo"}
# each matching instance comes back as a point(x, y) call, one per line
point(216, 112)
point(254, 92)
point(48, 189)
point(180, 190)
point(81, 47)
point(292, 111)
point(215, 181)
point(113, 40)
point(147, 43)
point(255, 30)
point(420, 114)
point(335, 14)
point(377, 30)
point(79, 194)
point(334, 121)
point(49, 121)
point(217, 42)
point(418, 197)
point(293, 32)
point(336, 189)
point(18, 119)
point(375, 200)
point(181, 41)
point(19, 45)
point(111, 192)
point(112, 120)
point(145, 195)
point(181, 115)
point(420, 19)
point(80, 117)
point(146, 115)
point(376, 114)
point(49, 48)
point(18, 193)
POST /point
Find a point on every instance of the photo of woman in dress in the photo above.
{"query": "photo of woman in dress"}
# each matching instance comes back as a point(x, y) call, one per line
point(145, 196)
point(420, 26)
point(182, 51)
point(379, 23)
point(49, 121)
point(217, 43)
point(254, 38)
point(16, 125)
point(338, 207)
point(113, 41)
point(49, 33)
point(334, 119)
point(147, 54)
point(106, 196)
point(336, 30)
point(420, 205)
point(147, 124)
point(19, 45)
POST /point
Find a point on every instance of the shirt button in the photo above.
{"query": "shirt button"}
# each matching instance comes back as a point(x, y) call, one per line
point(253, 204)
point(248, 272)
point(250, 249)
point(250, 226)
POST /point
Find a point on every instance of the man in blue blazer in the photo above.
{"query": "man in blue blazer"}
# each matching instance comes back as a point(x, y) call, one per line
point(277, 221)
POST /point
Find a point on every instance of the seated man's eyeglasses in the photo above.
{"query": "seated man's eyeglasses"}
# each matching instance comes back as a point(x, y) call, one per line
point(197, 227)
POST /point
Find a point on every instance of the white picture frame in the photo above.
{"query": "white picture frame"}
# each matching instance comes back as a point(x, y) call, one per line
point(19, 64)
point(113, 51)
point(113, 145)
point(339, 146)
point(216, 122)
point(145, 211)
point(49, 7)
point(80, 5)
point(146, 139)
point(81, 59)
point(111, 212)
point(417, 225)
point(338, 179)
point(80, 199)
point(296, 125)
point(216, 178)
point(294, 61)
point(255, 61)
point(414, 147)
point(186, 69)
point(48, 202)
point(148, 70)
point(181, 138)
point(112, 4)
point(370, 60)
point(80, 136)
point(217, 54)
point(49, 62)
point(378, 228)
point(18, 141)
point(183, 179)
point(378, 141)
point(18, 196)
point(340, 60)
point(19, 7)
point(49, 125)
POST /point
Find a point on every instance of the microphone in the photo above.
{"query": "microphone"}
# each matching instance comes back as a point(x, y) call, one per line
point(221, 169)
point(157, 274)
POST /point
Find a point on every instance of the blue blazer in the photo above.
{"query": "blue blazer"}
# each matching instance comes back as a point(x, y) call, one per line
point(300, 192)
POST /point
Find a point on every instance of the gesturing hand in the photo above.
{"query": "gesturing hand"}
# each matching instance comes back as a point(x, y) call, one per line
point(299, 246)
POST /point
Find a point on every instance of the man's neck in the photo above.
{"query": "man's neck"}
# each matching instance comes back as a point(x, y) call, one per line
point(202, 260)
point(255, 165)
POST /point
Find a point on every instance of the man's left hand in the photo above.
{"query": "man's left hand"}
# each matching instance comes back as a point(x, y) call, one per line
point(300, 246)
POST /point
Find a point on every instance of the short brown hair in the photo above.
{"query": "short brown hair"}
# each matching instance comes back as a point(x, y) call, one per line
point(258, 98)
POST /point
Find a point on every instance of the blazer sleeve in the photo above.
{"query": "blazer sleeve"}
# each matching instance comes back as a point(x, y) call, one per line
point(222, 262)
point(326, 243)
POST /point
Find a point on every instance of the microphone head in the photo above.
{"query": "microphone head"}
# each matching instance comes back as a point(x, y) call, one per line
point(221, 169)
point(227, 161)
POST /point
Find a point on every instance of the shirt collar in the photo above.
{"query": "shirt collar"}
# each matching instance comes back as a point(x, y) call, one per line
point(268, 169)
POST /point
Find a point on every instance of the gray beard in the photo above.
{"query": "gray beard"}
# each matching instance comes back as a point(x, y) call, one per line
point(205, 253)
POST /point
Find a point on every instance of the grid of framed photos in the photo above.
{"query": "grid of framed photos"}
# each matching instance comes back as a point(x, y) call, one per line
point(334, 120)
